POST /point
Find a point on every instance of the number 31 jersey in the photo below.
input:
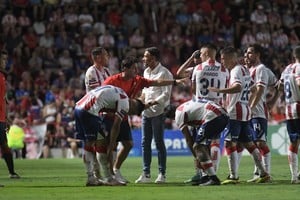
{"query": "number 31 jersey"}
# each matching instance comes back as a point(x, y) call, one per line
point(210, 74)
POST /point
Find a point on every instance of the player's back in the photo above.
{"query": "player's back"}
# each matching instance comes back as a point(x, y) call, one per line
point(210, 74)
point(197, 112)
point(104, 98)
point(289, 77)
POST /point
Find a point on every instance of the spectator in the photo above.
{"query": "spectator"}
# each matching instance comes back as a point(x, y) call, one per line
point(106, 40)
point(23, 20)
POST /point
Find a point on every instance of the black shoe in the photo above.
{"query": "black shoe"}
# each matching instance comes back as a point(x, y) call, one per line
point(213, 180)
point(204, 179)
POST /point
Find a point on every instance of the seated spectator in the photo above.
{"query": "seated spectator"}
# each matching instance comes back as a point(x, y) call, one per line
point(136, 40)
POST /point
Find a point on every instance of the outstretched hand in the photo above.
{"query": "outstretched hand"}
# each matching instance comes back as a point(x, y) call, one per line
point(182, 80)
point(213, 89)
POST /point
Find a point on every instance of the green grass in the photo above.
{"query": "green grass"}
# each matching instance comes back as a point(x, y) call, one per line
point(50, 179)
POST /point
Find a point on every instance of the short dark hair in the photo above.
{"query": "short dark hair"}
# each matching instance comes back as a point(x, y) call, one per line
point(257, 49)
point(229, 51)
point(128, 62)
point(197, 54)
point(98, 51)
point(296, 52)
point(210, 46)
point(154, 51)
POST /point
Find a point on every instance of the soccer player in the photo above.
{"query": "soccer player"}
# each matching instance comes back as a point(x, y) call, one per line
point(263, 78)
point(90, 126)
point(94, 77)
point(132, 84)
point(6, 151)
point(186, 70)
point(210, 119)
point(210, 73)
point(239, 112)
point(290, 82)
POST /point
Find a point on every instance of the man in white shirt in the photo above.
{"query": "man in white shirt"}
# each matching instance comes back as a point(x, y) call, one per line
point(153, 118)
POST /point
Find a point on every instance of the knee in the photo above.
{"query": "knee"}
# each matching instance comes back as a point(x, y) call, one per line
point(127, 144)
point(261, 144)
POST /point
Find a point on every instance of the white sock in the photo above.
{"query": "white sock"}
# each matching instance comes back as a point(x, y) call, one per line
point(232, 164)
point(215, 153)
point(258, 161)
point(267, 162)
point(103, 161)
point(88, 159)
point(293, 163)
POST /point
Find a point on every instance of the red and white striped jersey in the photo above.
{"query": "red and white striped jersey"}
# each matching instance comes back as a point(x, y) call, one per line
point(263, 76)
point(238, 107)
point(289, 78)
point(194, 113)
point(105, 99)
point(95, 77)
point(210, 74)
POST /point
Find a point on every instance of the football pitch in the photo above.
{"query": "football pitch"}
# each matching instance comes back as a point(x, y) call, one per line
point(50, 179)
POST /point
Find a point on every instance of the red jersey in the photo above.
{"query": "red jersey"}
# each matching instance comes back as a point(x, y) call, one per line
point(2, 98)
point(132, 87)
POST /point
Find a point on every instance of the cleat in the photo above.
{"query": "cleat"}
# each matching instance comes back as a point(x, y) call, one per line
point(119, 176)
point(160, 179)
point(230, 180)
point(204, 179)
point(195, 179)
point(213, 180)
point(144, 178)
point(93, 181)
point(295, 181)
point(14, 176)
point(254, 179)
point(298, 175)
point(113, 182)
point(264, 179)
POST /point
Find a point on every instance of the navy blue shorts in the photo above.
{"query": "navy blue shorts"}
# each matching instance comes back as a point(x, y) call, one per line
point(293, 128)
point(89, 127)
point(239, 131)
point(211, 130)
point(260, 128)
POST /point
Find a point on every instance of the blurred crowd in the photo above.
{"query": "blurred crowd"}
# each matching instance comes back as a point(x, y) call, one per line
point(49, 44)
